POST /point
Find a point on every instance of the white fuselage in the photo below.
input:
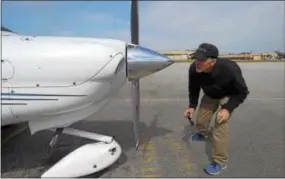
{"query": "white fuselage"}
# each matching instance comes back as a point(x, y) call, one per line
point(54, 81)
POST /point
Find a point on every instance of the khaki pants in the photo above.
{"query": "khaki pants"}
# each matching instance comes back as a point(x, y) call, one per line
point(219, 133)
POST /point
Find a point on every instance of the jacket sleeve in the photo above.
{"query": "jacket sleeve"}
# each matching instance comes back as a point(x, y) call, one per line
point(193, 87)
point(240, 85)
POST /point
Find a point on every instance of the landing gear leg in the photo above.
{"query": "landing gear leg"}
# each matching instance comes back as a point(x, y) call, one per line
point(54, 140)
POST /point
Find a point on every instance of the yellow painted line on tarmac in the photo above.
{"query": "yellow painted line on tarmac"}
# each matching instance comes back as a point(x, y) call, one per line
point(148, 169)
point(183, 156)
point(148, 156)
point(151, 176)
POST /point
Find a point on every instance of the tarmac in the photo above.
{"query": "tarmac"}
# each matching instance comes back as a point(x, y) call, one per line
point(257, 137)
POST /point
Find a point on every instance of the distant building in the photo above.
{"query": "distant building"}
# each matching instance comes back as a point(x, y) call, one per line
point(178, 54)
point(257, 56)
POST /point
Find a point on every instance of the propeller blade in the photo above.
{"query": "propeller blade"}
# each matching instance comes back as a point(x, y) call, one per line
point(135, 87)
point(134, 22)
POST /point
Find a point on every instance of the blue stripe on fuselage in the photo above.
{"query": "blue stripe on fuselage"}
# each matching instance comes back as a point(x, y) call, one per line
point(34, 94)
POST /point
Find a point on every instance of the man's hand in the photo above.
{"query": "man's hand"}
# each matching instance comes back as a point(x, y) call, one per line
point(223, 115)
point(188, 112)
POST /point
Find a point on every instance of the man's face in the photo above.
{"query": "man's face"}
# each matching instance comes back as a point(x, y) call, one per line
point(203, 65)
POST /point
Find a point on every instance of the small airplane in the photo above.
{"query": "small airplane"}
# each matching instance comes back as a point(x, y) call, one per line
point(52, 82)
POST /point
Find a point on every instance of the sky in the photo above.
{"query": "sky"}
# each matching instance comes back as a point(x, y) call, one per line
point(233, 26)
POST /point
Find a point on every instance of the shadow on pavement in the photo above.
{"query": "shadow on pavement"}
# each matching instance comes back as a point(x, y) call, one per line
point(188, 132)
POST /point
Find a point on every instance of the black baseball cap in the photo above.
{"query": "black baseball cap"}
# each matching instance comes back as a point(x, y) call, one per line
point(206, 50)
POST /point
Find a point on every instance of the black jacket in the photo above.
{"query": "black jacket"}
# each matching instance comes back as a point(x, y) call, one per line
point(225, 80)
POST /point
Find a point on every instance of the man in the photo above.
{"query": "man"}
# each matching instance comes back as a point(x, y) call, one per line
point(224, 90)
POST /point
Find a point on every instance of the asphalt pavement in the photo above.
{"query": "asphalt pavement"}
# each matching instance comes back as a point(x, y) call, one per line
point(257, 136)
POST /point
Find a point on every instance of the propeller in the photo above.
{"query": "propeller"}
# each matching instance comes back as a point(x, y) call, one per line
point(135, 83)
point(141, 63)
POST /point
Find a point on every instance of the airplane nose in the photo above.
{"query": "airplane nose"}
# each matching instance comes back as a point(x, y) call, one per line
point(143, 61)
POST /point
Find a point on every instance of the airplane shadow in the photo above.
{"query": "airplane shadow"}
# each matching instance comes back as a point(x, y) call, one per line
point(25, 152)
